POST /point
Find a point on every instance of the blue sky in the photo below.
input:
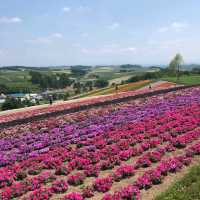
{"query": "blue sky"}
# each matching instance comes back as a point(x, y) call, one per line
point(95, 32)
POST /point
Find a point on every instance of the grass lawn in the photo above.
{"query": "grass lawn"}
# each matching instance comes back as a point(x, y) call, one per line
point(186, 80)
point(188, 188)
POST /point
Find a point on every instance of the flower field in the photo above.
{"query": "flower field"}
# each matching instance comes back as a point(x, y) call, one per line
point(115, 152)
point(123, 92)
point(121, 88)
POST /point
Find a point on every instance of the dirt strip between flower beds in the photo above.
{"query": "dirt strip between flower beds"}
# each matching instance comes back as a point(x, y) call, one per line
point(145, 194)
point(85, 107)
point(122, 183)
point(89, 180)
point(156, 190)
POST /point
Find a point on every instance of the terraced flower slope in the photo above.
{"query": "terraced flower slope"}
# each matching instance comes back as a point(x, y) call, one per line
point(111, 153)
point(122, 92)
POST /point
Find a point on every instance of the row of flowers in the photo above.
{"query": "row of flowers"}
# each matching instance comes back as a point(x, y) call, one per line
point(32, 145)
point(147, 180)
point(52, 162)
point(123, 135)
point(100, 185)
point(48, 124)
point(74, 104)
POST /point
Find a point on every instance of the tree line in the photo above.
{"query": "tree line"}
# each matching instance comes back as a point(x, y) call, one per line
point(54, 81)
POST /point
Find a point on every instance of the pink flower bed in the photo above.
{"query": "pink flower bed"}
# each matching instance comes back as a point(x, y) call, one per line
point(76, 103)
point(119, 142)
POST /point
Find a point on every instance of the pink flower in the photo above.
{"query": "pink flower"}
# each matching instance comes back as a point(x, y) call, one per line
point(88, 192)
point(123, 172)
point(76, 179)
point(59, 186)
point(103, 184)
point(73, 196)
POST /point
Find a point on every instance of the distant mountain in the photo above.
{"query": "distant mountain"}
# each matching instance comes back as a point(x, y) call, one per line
point(155, 68)
point(129, 66)
point(21, 68)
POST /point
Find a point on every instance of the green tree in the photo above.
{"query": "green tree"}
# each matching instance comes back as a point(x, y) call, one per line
point(66, 96)
point(175, 65)
point(4, 89)
point(100, 83)
point(89, 85)
point(11, 103)
point(35, 77)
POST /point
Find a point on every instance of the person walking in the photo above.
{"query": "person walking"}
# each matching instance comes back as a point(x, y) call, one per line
point(150, 86)
point(116, 88)
point(50, 99)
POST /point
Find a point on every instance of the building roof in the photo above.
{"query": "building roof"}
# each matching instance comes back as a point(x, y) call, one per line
point(17, 95)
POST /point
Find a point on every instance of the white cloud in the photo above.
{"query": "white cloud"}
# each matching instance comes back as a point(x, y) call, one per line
point(9, 20)
point(84, 35)
point(114, 26)
point(129, 49)
point(83, 9)
point(109, 49)
point(39, 40)
point(179, 25)
point(172, 44)
point(46, 40)
point(163, 29)
point(66, 9)
point(76, 45)
point(57, 35)
point(85, 50)
point(174, 26)
point(79, 9)
point(1, 52)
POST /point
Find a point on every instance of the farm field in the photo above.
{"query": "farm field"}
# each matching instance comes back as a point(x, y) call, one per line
point(16, 79)
point(118, 151)
point(186, 80)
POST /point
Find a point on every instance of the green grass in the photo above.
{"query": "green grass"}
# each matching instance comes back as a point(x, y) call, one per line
point(188, 188)
point(110, 90)
point(17, 80)
point(92, 93)
point(185, 80)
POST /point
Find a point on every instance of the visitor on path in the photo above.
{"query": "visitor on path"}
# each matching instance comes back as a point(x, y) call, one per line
point(116, 88)
point(150, 86)
point(50, 99)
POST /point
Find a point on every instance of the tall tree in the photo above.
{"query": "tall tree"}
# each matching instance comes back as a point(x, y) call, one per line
point(175, 65)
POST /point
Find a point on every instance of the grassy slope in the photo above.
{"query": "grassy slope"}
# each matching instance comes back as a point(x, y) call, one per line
point(129, 87)
point(186, 80)
point(110, 90)
point(21, 79)
point(187, 188)
point(16, 79)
